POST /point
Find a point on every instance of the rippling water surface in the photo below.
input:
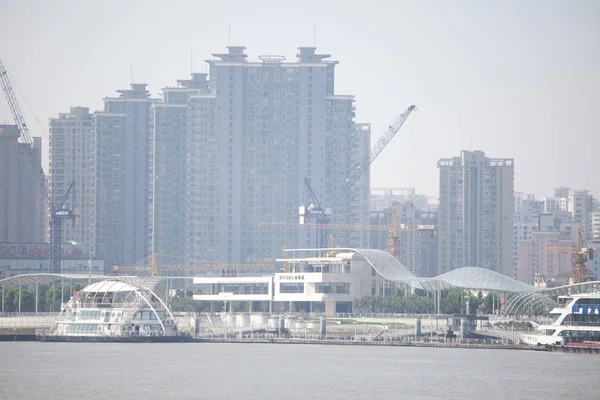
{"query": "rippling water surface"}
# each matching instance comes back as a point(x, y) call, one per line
point(31, 370)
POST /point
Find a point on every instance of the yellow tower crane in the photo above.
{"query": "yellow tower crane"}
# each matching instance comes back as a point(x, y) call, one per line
point(580, 255)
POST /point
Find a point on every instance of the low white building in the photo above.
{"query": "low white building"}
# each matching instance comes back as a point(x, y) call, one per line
point(311, 280)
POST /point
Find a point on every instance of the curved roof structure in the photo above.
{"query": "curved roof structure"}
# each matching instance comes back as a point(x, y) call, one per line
point(391, 269)
point(386, 265)
point(41, 279)
point(481, 278)
point(110, 286)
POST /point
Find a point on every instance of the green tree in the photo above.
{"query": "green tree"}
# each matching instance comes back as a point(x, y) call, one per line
point(487, 305)
point(11, 300)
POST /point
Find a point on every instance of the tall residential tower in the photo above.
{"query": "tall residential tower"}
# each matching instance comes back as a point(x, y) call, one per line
point(73, 158)
point(260, 130)
point(22, 210)
point(476, 213)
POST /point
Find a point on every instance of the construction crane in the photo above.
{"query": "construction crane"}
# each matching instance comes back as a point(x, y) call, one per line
point(57, 212)
point(393, 246)
point(348, 227)
point(320, 214)
point(580, 255)
point(316, 212)
point(379, 146)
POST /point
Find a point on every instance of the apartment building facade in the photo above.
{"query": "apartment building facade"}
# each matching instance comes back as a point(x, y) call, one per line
point(475, 212)
point(22, 206)
point(253, 137)
point(73, 158)
point(126, 152)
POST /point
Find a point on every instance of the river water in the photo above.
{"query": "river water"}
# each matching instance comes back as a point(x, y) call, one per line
point(33, 370)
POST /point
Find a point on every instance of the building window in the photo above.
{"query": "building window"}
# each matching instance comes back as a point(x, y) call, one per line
point(291, 288)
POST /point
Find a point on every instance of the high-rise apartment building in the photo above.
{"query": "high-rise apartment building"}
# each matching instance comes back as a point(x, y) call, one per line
point(22, 207)
point(525, 220)
point(580, 205)
point(168, 148)
point(475, 212)
point(128, 181)
point(109, 132)
point(73, 158)
point(253, 137)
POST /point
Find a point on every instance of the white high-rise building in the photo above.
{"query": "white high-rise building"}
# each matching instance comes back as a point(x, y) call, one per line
point(260, 130)
point(73, 158)
point(475, 212)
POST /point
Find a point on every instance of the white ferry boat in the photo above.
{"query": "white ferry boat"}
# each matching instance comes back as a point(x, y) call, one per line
point(577, 323)
point(114, 310)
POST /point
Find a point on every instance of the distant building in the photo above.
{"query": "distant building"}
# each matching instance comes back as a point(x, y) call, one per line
point(73, 158)
point(169, 147)
point(536, 261)
point(260, 130)
point(475, 213)
point(33, 258)
point(123, 132)
point(109, 131)
point(526, 221)
point(580, 203)
point(22, 206)
point(417, 248)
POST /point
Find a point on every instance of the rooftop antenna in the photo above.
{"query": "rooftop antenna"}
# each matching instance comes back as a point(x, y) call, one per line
point(470, 144)
point(191, 62)
point(131, 73)
point(229, 40)
point(315, 36)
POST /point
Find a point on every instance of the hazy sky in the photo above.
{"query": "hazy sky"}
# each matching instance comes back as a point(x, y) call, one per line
point(517, 79)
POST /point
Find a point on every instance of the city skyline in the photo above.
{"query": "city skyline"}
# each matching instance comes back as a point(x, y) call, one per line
point(531, 108)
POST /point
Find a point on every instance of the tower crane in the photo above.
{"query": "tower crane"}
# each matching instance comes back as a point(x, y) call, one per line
point(349, 227)
point(393, 246)
point(315, 211)
point(379, 146)
point(580, 255)
point(58, 212)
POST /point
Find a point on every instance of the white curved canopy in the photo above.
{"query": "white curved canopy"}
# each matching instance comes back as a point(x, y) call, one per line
point(110, 286)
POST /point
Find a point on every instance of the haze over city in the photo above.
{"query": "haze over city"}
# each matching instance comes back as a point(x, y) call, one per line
point(517, 80)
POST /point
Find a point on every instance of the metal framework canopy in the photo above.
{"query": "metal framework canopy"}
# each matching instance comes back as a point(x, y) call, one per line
point(44, 279)
point(529, 303)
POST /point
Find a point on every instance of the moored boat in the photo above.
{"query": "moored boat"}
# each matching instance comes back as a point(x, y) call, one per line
point(114, 311)
point(577, 323)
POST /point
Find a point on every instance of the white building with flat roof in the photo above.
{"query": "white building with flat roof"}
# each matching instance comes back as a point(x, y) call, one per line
point(311, 280)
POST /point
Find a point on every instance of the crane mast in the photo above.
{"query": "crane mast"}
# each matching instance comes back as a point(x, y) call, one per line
point(57, 212)
point(315, 211)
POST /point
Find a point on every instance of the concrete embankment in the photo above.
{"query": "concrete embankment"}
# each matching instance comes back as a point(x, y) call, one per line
point(365, 343)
